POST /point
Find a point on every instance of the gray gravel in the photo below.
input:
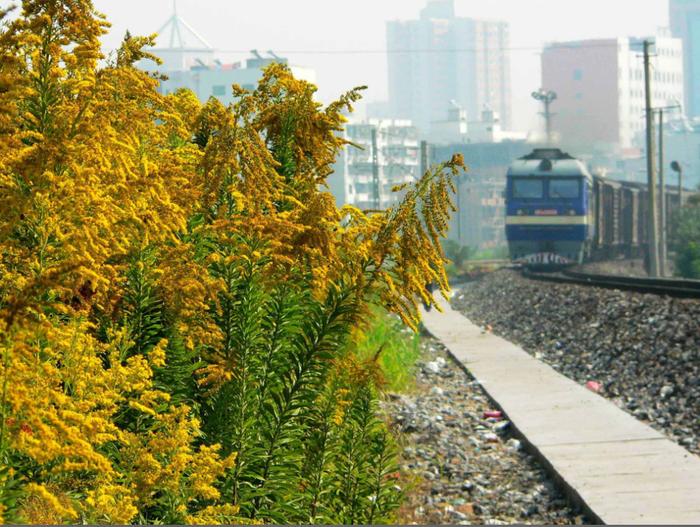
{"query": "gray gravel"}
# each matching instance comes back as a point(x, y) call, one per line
point(642, 349)
point(468, 469)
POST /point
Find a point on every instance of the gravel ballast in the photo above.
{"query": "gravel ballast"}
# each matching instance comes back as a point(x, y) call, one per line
point(468, 469)
point(642, 350)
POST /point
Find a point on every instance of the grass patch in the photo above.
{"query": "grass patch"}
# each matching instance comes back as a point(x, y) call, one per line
point(496, 253)
point(400, 349)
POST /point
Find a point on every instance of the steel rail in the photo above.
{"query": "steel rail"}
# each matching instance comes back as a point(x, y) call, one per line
point(654, 286)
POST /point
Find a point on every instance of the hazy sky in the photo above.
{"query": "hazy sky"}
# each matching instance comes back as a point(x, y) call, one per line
point(322, 25)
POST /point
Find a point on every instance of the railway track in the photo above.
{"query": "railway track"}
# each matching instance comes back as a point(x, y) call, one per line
point(656, 286)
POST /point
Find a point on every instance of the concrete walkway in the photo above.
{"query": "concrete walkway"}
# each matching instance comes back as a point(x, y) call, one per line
point(621, 470)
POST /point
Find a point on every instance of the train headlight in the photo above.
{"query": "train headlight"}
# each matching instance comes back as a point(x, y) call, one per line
point(572, 213)
point(521, 212)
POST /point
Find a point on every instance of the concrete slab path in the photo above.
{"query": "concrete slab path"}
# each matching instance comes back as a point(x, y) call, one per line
point(619, 469)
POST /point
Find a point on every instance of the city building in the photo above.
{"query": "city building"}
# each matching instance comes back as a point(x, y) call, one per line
point(685, 24)
point(357, 181)
point(441, 58)
point(600, 103)
point(480, 218)
point(190, 62)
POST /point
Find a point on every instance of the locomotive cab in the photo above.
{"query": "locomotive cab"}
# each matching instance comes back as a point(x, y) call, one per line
point(548, 208)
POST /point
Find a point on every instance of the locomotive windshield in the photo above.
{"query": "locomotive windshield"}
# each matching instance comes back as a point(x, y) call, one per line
point(528, 188)
point(564, 188)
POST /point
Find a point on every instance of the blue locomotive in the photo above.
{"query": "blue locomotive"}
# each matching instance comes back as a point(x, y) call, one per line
point(558, 213)
point(548, 212)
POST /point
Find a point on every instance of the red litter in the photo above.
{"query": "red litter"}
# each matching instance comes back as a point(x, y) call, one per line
point(594, 386)
point(493, 414)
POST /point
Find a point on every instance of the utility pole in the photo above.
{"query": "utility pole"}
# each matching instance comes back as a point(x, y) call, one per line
point(662, 197)
point(653, 239)
point(546, 98)
point(375, 172)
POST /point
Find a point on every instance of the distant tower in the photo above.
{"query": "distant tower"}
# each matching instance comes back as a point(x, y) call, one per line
point(179, 46)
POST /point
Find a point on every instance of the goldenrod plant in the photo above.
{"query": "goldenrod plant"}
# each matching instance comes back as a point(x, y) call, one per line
point(179, 292)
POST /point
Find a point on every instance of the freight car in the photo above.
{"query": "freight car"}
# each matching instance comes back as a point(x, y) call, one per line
point(558, 213)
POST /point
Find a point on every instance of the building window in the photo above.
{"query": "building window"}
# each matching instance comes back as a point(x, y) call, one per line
point(218, 90)
point(579, 96)
point(578, 74)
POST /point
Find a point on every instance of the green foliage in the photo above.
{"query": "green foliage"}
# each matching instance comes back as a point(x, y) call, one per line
point(148, 324)
point(688, 261)
point(142, 308)
point(283, 389)
point(277, 401)
point(10, 491)
point(397, 348)
point(686, 242)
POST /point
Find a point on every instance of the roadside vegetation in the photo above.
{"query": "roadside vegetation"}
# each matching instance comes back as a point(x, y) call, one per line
point(686, 240)
point(179, 297)
point(394, 346)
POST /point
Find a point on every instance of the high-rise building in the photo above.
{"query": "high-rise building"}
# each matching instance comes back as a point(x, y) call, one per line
point(600, 103)
point(685, 24)
point(441, 59)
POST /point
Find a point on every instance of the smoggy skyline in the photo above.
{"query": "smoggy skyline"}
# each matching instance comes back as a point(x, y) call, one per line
point(338, 34)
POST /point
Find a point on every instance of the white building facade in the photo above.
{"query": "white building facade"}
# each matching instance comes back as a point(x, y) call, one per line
point(441, 58)
point(600, 103)
point(358, 181)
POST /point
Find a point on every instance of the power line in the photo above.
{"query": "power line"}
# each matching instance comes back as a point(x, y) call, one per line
point(449, 50)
